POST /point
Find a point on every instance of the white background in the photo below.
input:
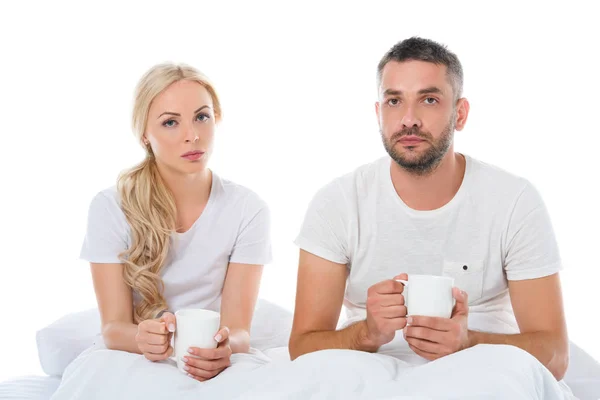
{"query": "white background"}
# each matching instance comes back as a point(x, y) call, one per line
point(297, 82)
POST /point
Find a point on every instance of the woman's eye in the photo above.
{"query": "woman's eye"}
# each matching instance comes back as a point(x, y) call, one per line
point(202, 117)
point(169, 123)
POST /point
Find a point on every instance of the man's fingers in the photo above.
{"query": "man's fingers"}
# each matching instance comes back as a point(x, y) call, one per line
point(386, 287)
point(385, 300)
point(403, 276)
point(425, 345)
point(424, 354)
point(462, 302)
point(437, 323)
point(428, 334)
point(393, 324)
point(390, 312)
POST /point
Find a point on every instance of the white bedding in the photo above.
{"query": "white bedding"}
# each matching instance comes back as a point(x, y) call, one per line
point(483, 372)
point(29, 388)
point(581, 376)
point(268, 373)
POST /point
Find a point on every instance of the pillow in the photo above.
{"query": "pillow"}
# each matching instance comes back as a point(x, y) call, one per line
point(271, 326)
point(62, 341)
point(583, 374)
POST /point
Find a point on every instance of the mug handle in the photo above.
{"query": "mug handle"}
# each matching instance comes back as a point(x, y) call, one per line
point(172, 342)
point(404, 292)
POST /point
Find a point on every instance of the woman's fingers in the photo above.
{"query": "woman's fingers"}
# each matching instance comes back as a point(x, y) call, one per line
point(222, 335)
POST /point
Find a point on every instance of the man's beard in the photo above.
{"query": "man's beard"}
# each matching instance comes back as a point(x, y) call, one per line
point(427, 162)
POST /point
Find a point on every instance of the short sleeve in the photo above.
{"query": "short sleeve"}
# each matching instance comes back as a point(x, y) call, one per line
point(324, 229)
point(107, 231)
point(253, 242)
point(532, 251)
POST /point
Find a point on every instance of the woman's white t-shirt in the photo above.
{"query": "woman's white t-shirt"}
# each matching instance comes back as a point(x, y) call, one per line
point(233, 228)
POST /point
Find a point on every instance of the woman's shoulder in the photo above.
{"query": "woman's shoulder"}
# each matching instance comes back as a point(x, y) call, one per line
point(106, 201)
point(234, 194)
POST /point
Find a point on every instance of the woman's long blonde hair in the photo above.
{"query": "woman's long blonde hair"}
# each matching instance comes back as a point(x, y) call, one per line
point(146, 201)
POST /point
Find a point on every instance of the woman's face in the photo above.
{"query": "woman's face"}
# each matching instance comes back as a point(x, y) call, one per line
point(180, 127)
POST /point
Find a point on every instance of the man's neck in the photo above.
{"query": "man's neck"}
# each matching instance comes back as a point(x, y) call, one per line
point(431, 191)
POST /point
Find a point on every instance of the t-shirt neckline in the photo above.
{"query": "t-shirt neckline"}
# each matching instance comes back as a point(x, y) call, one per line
point(209, 203)
point(429, 213)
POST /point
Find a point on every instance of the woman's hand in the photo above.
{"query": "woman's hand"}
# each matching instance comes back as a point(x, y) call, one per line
point(205, 364)
point(154, 337)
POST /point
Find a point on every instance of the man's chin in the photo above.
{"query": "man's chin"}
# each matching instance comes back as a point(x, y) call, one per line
point(413, 164)
point(410, 159)
point(412, 153)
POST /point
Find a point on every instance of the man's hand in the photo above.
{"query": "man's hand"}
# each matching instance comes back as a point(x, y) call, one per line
point(386, 311)
point(433, 337)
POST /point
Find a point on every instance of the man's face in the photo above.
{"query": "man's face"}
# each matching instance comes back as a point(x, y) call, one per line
point(417, 114)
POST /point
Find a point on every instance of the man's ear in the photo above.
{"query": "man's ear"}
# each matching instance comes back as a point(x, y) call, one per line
point(462, 113)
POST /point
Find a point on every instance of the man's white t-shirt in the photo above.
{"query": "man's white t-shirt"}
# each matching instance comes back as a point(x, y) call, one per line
point(495, 229)
point(233, 228)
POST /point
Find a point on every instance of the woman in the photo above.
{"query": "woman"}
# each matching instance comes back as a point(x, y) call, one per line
point(172, 234)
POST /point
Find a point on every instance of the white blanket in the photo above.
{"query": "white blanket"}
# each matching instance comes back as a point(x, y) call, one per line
point(482, 372)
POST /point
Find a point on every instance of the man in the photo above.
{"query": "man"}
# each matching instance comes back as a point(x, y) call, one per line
point(426, 209)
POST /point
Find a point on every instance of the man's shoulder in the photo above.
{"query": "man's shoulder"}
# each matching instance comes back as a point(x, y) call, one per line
point(492, 170)
point(492, 181)
point(356, 181)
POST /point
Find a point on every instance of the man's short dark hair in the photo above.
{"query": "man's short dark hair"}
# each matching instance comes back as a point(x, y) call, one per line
point(420, 49)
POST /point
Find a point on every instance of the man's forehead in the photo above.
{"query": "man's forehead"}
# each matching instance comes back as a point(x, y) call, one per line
point(413, 75)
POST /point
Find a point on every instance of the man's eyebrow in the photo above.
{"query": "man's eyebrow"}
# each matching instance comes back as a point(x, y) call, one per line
point(429, 90)
point(392, 92)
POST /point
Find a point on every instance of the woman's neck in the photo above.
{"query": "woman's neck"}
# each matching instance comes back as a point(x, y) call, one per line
point(188, 189)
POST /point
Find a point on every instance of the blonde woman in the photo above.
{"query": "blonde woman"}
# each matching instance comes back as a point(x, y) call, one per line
point(173, 234)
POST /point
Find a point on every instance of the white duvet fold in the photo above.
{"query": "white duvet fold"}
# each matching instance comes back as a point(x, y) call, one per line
point(482, 372)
